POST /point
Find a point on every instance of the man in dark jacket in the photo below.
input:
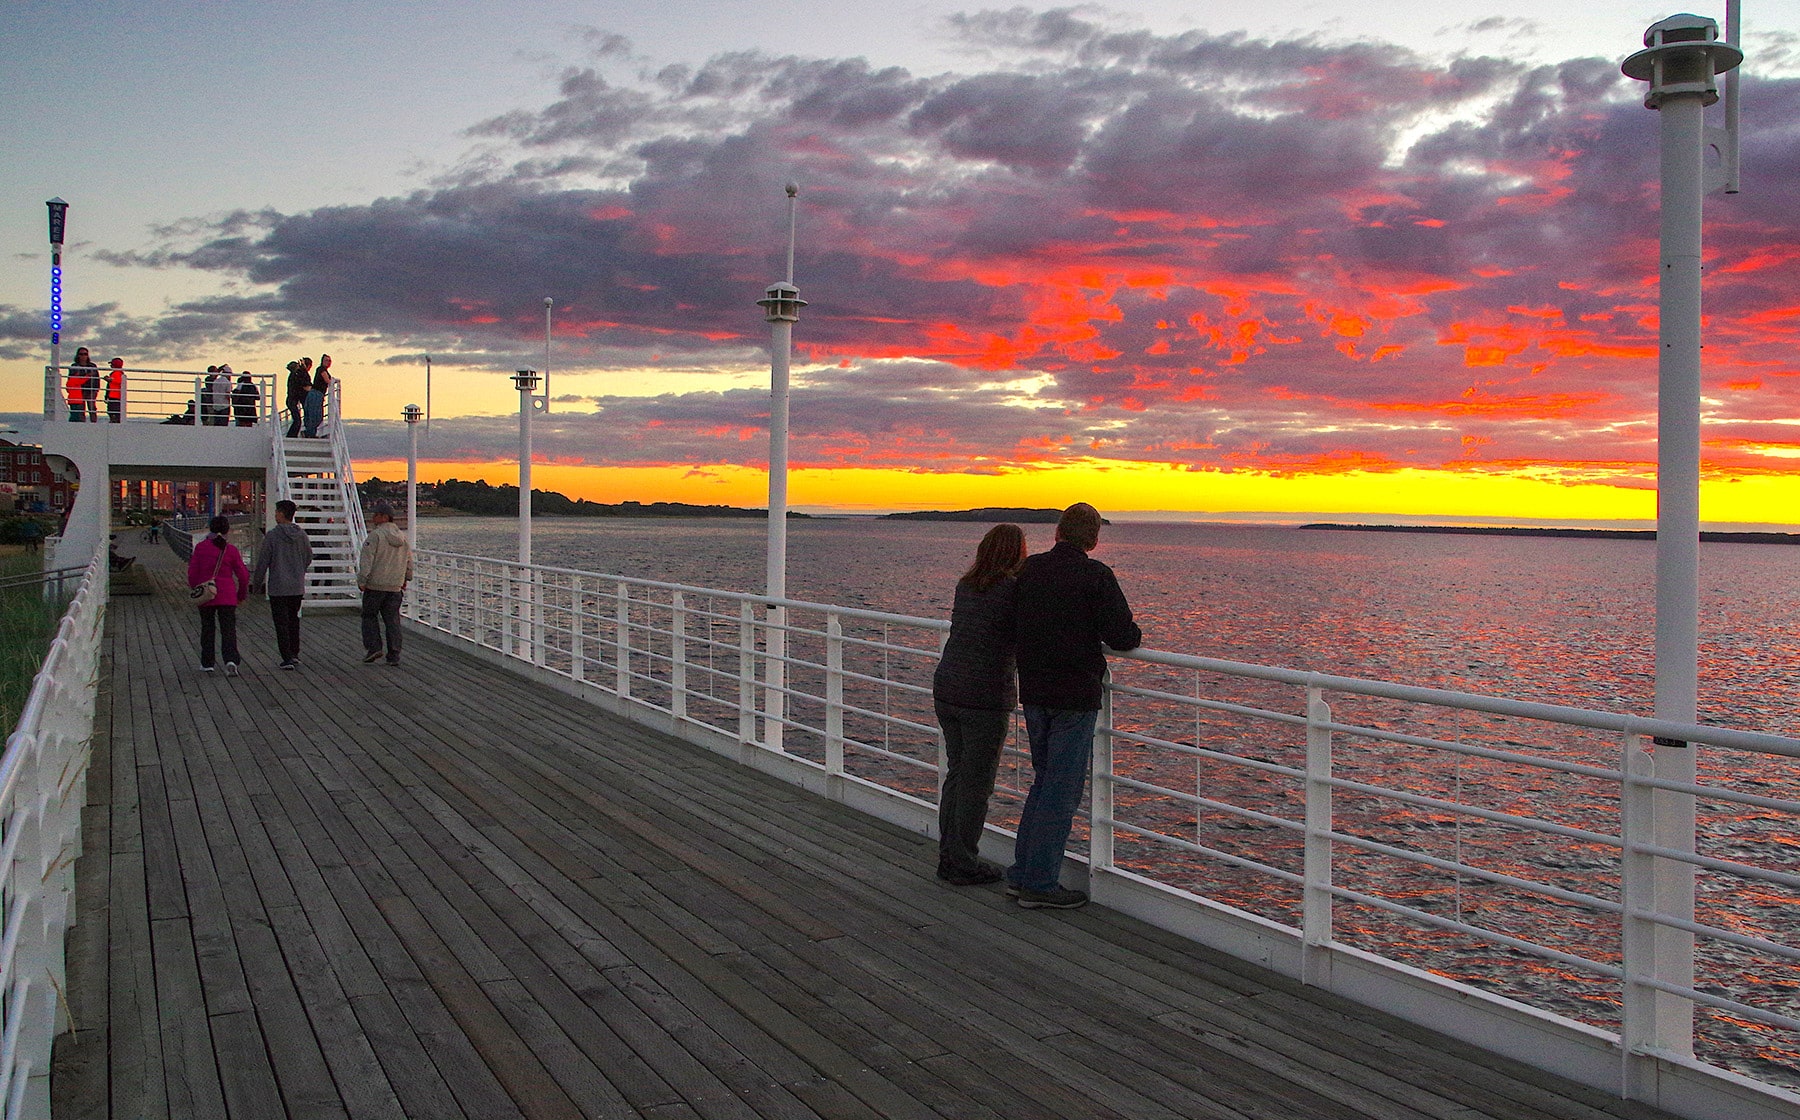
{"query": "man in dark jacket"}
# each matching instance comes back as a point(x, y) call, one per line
point(1067, 606)
point(281, 565)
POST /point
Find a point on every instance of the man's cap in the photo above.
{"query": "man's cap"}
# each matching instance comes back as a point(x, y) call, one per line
point(381, 509)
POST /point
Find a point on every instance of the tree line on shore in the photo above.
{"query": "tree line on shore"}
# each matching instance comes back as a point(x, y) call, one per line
point(485, 500)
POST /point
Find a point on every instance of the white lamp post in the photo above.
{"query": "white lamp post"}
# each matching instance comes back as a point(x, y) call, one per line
point(527, 382)
point(781, 304)
point(1681, 57)
point(548, 305)
point(412, 413)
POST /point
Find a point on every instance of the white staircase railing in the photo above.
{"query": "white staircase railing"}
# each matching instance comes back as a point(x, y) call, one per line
point(317, 476)
point(1485, 866)
point(43, 785)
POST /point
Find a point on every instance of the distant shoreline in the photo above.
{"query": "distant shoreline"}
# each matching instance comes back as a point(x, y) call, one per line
point(1525, 531)
point(1016, 514)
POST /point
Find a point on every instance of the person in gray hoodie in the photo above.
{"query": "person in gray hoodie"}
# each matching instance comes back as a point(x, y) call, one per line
point(281, 565)
point(382, 573)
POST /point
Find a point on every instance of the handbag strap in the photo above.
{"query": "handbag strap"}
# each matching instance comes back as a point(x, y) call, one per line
point(221, 563)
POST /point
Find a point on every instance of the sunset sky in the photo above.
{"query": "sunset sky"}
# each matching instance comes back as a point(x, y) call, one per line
point(1308, 259)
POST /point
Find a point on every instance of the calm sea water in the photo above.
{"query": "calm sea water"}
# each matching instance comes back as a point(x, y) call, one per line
point(1567, 621)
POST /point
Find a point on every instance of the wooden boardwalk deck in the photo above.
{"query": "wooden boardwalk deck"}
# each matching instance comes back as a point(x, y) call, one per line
point(437, 891)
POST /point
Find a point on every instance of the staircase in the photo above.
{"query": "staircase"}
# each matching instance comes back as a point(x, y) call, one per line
point(315, 474)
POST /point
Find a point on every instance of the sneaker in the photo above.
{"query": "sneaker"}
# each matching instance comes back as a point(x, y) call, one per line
point(1056, 898)
point(393, 662)
point(206, 668)
point(1013, 889)
point(290, 664)
point(979, 876)
point(371, 657)
point(231, 668)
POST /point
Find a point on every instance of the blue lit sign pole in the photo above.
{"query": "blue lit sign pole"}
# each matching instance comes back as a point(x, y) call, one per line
point(59, 216)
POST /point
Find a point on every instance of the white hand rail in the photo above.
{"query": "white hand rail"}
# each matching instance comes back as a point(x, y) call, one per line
point(43, 777)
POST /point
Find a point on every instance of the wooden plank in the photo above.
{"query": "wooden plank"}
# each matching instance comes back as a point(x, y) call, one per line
point(530, 1085)
point(189, 1068)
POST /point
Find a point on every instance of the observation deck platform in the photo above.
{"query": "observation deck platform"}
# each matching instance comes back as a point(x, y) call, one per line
point(442, 891)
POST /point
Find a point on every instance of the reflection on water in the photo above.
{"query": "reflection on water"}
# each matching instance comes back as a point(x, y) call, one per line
point(1560, 621)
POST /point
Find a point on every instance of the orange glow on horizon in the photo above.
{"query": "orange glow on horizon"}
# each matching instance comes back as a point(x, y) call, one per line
point(1522, 492)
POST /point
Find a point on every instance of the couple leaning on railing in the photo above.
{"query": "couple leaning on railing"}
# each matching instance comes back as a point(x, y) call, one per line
point(1027, 628)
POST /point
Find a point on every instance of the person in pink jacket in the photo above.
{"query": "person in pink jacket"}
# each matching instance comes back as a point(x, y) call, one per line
point(217, 559)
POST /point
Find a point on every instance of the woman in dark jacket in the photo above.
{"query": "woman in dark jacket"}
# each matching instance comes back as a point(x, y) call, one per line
point(244, 399)
point(315, 397)
point(975, 690)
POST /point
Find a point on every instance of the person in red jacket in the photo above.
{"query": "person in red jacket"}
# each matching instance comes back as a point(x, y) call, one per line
point(115, 391)
point(217, 559)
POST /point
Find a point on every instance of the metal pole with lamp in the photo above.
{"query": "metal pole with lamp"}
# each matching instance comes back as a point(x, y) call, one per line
point(1681, 58)
point(59, 221)
point(412, 413)
point(781, 304)
point(526, 380)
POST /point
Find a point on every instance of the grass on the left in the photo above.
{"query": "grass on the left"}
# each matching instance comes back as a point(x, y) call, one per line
point(27, 623)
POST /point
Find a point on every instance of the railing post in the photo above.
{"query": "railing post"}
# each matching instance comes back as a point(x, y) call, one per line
point(678, 656)
point(746, 674)
point(1100, 802)
point(1638, 1032)
point(834, 698)
point(775, 675)
point(622, 642)
point(1316, 933)
point(577, 631)
point(539, 628)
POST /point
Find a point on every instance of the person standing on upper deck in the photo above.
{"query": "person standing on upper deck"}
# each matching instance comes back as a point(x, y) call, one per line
point(244, 398)
point(314, 407)
point(1067, 605)
point(84, 378)
point(281, 565)
point(382, 573)
point(299, 383)
point(115, 391)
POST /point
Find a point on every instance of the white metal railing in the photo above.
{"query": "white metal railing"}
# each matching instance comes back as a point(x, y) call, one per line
point(156, 396)
point(1509, 860)
point(43, 784)
point(340, 454)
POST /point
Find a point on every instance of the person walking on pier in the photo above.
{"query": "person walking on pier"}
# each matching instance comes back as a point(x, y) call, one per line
point(382, 573)
point(1067, 606)
point(281, 565)
point(217, 559)
point(974, 692)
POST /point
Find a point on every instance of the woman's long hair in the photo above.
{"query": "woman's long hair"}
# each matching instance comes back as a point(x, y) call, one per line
point(1000, 554)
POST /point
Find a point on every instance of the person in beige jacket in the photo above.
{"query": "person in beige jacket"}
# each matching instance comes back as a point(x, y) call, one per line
point(382, 573)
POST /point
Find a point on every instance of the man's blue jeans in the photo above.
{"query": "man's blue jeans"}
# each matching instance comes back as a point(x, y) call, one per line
point(1062, 741)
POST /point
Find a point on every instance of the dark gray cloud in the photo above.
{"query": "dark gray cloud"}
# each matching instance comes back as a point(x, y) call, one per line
point(1207, 250)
